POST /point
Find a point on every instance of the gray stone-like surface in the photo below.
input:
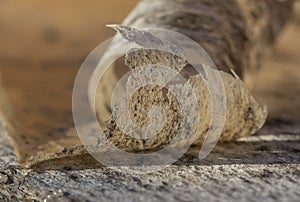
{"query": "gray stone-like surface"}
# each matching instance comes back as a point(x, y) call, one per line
point(263, 168)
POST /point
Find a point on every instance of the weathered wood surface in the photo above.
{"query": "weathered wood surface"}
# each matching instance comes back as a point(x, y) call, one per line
point(265, 168)
point(232, 45)
point(236, 34)
point(262, 168)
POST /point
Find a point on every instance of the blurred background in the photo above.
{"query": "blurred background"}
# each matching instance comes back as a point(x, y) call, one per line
point(43, 44)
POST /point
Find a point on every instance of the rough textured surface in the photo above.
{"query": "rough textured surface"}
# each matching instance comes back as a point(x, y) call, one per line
point(264, 168)
point(244, 115)
point(235, 33)
point(238, 44)
point(249, 170)
point(230, 45)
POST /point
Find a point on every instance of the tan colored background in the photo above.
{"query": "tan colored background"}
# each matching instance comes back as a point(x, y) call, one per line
point(44, 42)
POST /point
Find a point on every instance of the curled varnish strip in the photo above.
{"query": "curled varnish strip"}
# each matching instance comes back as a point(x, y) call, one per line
point(245, 116)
